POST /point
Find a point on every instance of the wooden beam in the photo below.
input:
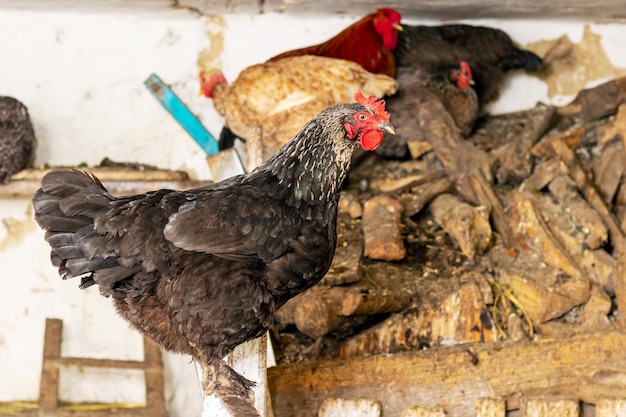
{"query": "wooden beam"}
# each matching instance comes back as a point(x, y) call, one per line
point(588, 367)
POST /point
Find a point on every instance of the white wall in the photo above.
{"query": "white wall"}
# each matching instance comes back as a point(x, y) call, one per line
point(81, 75)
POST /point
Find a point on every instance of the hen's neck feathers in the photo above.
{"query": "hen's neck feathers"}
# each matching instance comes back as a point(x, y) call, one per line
point(316, 161)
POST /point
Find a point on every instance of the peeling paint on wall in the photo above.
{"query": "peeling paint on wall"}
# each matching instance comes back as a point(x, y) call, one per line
point(571, 67)
point(211, 57)
point(15, 229)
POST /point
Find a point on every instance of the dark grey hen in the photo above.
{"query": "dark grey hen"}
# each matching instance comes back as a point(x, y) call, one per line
point(203, 270)
point(17, 138)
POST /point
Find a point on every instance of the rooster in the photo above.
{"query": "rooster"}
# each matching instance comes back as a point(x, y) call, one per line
point(268, 103)
point(17, 138)
point(202, 271)
point(369, 42)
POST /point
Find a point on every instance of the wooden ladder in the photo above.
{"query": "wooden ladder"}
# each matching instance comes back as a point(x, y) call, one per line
point(52, 362)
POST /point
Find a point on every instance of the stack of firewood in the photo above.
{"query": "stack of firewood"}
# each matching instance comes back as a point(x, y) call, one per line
point(515, 233)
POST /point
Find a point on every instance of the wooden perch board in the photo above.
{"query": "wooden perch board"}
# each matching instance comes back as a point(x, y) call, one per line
point(588, 367)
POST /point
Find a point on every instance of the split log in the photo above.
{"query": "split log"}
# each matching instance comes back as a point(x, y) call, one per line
point(315, 313)
point(391, 185)
point(461, 317)
point(468, 226)
point(420, 196)
point(373, 301)
point(596, 311)
point(484, 195)
point(592, 195)
point(541, 290)
point(588, 220)
point(572, 137)
point(601, 100)
point(534, 234)
point(382, 229)
point(589, 367)
point(322, 310)
point(576, 238)
point(543, 175)
point(514, 157)
point(418, 148)
point(608, 170)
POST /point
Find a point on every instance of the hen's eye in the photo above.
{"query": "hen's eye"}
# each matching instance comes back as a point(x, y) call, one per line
point(362, 117)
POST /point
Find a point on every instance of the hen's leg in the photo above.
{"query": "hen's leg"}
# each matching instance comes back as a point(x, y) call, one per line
point(225, 390)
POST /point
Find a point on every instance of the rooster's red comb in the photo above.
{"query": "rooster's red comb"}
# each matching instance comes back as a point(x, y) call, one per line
point(378, 105)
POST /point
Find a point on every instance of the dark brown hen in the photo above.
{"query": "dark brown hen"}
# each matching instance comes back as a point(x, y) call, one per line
point(202, 271)
point(450, 85)
point(489, 52)
point(17, 138)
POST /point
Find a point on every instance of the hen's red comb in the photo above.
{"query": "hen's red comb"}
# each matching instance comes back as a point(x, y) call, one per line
point(378, 105)
point(466, 68)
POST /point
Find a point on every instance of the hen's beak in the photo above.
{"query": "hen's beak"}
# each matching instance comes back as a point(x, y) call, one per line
point(387, 127)
point(398, 27)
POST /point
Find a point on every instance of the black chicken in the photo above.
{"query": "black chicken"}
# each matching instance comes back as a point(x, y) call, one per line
point(488, 51)
point(202, 271)
point(428, 61)
point(17, 138)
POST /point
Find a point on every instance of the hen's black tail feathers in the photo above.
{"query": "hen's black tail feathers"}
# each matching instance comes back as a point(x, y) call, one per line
point(65, 206)
point(522, 59)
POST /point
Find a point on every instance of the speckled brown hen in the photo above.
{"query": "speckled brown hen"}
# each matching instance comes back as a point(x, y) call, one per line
point(17, 138)
point(268, 103)
point(202, 271)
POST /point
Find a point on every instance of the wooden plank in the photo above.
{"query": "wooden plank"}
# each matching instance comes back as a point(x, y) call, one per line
point(96, 363)
point(26, 188)
point(49, 384)
point(588, 367)
point(153, 368)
